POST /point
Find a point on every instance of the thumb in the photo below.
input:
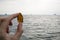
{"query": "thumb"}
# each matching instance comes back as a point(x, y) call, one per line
point(19, 31)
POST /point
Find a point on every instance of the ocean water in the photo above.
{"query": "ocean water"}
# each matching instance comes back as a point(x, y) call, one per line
point(39, 27)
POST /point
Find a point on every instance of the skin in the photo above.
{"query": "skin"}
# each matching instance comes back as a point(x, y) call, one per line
point(4, 28)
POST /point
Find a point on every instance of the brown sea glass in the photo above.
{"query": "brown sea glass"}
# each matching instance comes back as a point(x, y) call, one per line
point(20, 18)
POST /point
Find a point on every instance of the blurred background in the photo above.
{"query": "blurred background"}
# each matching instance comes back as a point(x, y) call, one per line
point(33, 7)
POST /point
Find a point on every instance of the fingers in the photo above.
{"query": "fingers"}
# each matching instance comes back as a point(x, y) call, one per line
point(7, 22)
point(13, 16)
point(19, 31)
point(8, 19)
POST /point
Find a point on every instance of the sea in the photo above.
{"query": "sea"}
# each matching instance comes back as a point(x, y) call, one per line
point(38, 27)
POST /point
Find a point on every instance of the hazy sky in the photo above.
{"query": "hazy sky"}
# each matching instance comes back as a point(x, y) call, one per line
point(30, 6)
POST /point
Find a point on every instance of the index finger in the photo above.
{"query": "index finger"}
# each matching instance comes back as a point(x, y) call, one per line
point(13, 16)
point(5, 24)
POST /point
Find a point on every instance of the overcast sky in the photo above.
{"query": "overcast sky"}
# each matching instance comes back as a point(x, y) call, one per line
point(34, 7)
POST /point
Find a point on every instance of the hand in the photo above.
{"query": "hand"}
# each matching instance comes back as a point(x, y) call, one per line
point(4, 28)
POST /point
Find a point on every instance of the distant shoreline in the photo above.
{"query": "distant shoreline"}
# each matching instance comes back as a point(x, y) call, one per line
point(34, 15)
